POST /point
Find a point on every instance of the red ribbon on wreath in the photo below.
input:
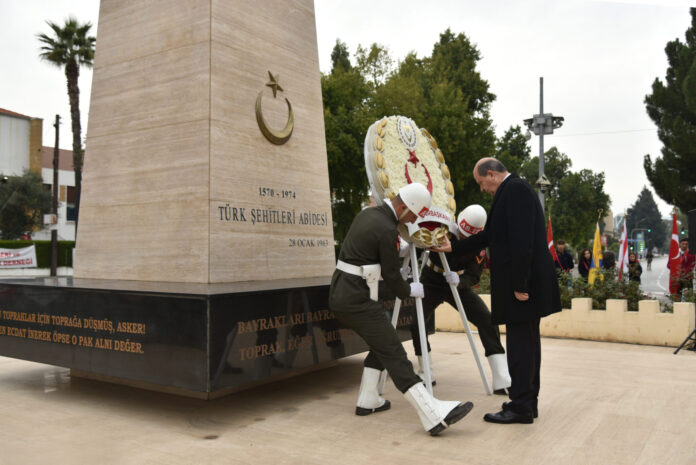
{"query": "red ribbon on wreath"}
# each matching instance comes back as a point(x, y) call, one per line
point(414, 159)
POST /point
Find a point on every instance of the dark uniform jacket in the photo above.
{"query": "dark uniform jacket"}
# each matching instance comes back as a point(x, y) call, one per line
point(471, 263)
point(521, 261)
point(372, 238)
point(566, 260)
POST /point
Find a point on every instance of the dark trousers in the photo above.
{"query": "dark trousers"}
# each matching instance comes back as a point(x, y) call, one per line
point(685, 284)
point(524, 364)
point(386, 351)
point(475, 309)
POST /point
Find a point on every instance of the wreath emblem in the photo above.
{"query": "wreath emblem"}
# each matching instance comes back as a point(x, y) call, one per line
point(398, 153)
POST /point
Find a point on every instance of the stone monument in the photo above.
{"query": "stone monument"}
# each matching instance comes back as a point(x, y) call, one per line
point(206, 157)
point(204, 243)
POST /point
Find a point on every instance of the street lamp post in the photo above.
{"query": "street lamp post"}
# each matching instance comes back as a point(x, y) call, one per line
point(54, 204)
point(540, 124)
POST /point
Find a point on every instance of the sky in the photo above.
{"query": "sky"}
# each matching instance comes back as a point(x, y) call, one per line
point(598, 60)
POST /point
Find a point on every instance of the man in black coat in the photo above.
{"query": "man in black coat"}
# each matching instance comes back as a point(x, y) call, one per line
point(524, 286)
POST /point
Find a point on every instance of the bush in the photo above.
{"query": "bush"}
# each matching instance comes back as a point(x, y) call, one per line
point(601, 290)
point(687, 295)
point(43, 251)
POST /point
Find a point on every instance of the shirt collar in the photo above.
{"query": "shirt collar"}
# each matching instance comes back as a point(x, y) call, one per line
point(391, 207)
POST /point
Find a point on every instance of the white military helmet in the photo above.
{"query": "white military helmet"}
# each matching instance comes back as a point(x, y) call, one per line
point(416, 197)
point(471, 220)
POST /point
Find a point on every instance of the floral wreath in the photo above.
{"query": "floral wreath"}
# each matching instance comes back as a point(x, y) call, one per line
point(398, 153)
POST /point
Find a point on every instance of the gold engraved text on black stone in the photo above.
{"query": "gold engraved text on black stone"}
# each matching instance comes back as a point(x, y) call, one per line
point(275, 137)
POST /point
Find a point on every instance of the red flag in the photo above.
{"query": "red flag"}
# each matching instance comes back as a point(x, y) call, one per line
point(549, 239)
point(623, 252)
point(674, 263)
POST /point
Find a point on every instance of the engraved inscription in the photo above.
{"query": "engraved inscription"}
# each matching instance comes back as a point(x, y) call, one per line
point(63, 329)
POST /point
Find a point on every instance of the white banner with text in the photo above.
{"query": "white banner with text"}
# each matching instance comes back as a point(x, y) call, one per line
point(18, 258)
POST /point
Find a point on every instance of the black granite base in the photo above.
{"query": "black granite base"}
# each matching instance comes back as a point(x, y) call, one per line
point(195, 338)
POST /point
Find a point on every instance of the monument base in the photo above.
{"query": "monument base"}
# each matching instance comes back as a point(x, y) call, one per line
point(198, 340)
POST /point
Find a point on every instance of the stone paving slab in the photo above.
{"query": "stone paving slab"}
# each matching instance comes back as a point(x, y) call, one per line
point(601, 403)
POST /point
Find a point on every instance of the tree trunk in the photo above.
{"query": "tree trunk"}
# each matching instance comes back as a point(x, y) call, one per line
point(72, 73)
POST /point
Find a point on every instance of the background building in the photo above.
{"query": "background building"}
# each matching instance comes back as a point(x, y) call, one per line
point(21, 150)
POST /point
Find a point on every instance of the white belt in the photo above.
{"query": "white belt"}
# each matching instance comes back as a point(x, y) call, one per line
point(370, 273)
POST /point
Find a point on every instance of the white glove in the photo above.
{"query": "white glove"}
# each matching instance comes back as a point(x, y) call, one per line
point(417, 290)
point(405, 272)
point(403, 248)
point(452, 277)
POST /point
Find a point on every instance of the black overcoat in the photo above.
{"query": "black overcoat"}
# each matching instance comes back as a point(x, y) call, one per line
point(519, 256)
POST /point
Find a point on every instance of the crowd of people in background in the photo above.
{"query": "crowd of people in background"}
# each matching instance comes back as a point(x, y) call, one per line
point(687, 262)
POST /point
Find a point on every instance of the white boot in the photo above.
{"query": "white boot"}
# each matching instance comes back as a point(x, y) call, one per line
point(501, 375)
point(421, 368)
point(434, 414)
point(369, 400)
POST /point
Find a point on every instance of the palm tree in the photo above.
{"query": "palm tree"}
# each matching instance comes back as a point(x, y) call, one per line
point(71, 47)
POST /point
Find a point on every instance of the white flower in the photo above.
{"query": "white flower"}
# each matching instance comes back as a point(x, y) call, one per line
point(396, 156)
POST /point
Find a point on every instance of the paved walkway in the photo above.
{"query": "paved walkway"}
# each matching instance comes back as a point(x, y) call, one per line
point(601, 403)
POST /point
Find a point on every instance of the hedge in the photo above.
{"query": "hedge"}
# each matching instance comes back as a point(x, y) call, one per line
point(43, 251)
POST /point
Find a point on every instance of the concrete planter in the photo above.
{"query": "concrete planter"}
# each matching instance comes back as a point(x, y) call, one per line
point(615, 324)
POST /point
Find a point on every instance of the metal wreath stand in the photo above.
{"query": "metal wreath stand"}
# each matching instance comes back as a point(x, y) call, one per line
point(421, 322)
point(378, 129)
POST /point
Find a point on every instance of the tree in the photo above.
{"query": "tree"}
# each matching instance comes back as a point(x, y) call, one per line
point(512, 149)
point(645, 215)
point(556, 167)
point(458, 112)
point(70, 48)
point(672, 107)
point(442, 93)
point(23, 202)
point(340, 56)
point(445, 94)
point(574, 199)
point(346, 118)
point(375, 63)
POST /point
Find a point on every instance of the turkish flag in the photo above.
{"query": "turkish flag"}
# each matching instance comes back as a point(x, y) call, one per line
point(623, 252)
point(549, 239)
point(674, 263)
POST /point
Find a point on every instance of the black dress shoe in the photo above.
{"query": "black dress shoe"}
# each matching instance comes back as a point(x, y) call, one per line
point(535, 412)
point(366, 411)
point(456, 414)
point(507, 417)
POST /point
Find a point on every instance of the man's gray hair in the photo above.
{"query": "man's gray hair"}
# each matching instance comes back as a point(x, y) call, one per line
point(491, 165)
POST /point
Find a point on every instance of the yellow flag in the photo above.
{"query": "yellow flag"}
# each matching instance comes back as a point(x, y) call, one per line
point(597, 258)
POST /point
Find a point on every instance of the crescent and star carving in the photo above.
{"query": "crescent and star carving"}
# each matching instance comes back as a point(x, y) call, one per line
point(275, 137)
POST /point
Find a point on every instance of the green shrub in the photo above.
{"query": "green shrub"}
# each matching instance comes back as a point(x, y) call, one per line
point(601, 290)
point(43, 251)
